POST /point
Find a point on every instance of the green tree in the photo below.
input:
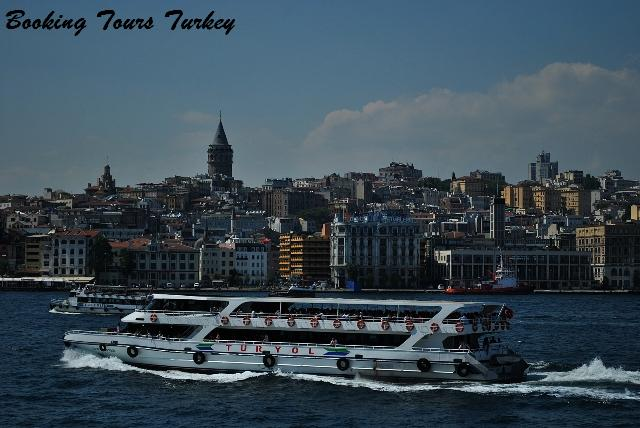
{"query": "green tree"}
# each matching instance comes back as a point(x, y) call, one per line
point(234, 277)
point(435, 183)
point(100, 256)
point(590, 182)
point(318, 215)
point(4, 267)
point(127, 263)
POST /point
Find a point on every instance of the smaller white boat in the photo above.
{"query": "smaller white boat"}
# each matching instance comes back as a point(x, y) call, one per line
point(99, 301)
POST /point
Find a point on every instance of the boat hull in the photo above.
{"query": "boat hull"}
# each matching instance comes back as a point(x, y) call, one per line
point(228, 356)
point(493, 291)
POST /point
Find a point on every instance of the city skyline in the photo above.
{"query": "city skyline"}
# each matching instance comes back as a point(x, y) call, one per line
point(445, 87)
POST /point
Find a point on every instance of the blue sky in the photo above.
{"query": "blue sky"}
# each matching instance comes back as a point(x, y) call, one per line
point(309, 88)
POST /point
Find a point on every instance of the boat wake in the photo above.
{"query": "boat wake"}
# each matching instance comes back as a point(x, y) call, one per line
point(594, 372)
point(75, 360)
point(576, 383)
point(592, 381)
point(55, 311)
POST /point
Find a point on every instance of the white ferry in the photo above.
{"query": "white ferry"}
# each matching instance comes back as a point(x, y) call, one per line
point(100, 301)
point(397, 339)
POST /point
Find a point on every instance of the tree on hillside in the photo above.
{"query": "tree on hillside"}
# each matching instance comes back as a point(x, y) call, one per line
point(318, 215)
point(435, 183)
point(590, 182)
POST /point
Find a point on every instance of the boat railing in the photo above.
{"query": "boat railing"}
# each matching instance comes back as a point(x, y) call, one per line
point(173, 313)
point(471, 320)
point(328, 317)
point(114, 332)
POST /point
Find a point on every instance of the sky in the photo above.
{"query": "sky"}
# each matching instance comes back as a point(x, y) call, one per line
point(316, 87)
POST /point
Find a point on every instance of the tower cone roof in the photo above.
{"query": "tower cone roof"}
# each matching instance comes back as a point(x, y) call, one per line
point(220, 138)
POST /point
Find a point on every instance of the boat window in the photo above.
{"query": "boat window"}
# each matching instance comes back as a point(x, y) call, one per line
point(365, 311)
point(306, 336)
point(186, 305)
point(169, 331)
point(467, 341)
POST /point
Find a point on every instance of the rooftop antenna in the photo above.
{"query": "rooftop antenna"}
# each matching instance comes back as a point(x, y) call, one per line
point(220, 115)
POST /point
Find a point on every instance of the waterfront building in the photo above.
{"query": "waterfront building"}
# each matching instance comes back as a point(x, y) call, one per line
point(537, 267)
point(160, 262)
point(614, 250)
point(635, 212)
point(304, 258)
point(377, 250)
point(220, 154)
point(71, 251)
point(543, 169)
point(37, 254)
point(251, 260)
point(217, 261)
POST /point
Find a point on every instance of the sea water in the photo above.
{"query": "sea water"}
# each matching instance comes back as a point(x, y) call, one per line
point(585, 370)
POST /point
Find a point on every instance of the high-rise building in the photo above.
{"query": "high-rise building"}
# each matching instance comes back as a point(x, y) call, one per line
point(543, 169)
point(220, 154)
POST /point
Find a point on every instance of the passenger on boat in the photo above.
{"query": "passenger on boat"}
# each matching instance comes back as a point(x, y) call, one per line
point(333, 342)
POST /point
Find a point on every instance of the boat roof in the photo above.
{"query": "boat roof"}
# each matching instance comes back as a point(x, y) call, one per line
point(339, 300)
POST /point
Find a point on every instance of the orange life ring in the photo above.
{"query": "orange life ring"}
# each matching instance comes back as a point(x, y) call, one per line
point(508, 313)
point(459, 327)
point(291, 321)
point(314, 322)
point(153, 317)
point(434, 327)
point(385, 324)
point(268, 321)
point(224, 320)
point(409, 325)
point(246, 320)
point(337, 323)
point(361, 324)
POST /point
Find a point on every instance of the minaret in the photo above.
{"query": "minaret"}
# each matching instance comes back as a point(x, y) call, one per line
point(220, 154)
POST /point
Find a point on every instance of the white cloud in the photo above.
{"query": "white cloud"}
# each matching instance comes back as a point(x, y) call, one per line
point(588, 117)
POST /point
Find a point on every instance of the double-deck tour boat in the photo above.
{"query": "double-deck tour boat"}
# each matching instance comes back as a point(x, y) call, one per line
point(99, 301)
point(395, 339)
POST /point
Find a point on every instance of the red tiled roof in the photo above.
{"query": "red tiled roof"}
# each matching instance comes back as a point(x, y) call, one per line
point(78, 232)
